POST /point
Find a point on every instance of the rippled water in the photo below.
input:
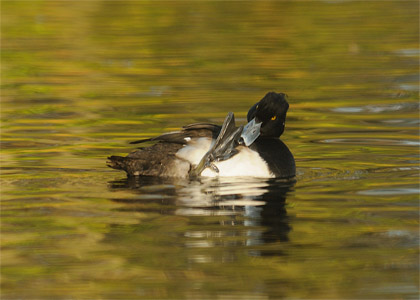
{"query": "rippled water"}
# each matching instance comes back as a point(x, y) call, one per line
point(82, 79)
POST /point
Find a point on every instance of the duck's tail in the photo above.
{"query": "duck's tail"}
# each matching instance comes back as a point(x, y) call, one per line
point(117, 162)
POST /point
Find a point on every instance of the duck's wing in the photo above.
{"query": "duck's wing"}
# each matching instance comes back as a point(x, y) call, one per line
point(188, 132)
point(155, 160)
point(160, 159)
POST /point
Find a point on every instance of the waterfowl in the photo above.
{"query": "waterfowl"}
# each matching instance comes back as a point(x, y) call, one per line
point(204, 149)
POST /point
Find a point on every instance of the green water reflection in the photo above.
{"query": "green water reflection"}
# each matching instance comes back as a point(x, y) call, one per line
point(81, 79)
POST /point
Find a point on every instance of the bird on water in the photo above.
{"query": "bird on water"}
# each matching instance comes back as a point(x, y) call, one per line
point(204, 149)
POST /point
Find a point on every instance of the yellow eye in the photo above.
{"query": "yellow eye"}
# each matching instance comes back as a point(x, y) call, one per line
point(273, 118)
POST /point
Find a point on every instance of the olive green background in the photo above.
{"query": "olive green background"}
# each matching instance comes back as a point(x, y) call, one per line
point(79, 79)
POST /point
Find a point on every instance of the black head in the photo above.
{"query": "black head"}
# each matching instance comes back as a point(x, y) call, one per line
point(271, 111)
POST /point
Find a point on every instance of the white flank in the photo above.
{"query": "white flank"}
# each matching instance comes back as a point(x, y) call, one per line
point(195, 150)
point(246, 163)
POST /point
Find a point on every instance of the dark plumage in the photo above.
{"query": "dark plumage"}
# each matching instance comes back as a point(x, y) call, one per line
point(160, 159)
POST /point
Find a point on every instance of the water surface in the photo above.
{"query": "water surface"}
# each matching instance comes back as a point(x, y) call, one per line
point(82, 79)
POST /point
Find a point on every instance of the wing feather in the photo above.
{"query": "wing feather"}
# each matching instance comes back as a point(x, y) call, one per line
point(183, 136)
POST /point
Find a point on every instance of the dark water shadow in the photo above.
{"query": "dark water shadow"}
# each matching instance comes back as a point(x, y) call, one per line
point(252, 208)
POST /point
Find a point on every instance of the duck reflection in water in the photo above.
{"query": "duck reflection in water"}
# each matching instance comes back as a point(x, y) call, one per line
point(233, 212)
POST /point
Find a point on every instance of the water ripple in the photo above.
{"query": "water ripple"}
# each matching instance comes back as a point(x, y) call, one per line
point(389, 192)
point(370, 142)
point(408, 52)
point(404, 106)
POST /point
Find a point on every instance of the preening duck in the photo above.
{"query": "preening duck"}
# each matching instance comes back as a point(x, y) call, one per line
point(204, 149)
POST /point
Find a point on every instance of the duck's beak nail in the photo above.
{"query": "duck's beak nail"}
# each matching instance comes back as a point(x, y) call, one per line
point(251, 132)
point(214, 168)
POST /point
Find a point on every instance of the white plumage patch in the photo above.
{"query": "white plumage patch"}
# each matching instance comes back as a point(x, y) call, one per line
point(194, 151)
point(246, 163)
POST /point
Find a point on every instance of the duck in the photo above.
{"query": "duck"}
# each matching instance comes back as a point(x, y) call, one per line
point(210, 150)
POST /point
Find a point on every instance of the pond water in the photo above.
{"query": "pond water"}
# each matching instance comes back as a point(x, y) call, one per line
point(80, 79)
